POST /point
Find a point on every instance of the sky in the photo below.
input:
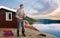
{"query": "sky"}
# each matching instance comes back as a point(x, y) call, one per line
point(16, 3)
point(33, 7)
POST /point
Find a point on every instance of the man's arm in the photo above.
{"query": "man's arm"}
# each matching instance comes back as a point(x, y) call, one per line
point(24, 16)
point(17, 16)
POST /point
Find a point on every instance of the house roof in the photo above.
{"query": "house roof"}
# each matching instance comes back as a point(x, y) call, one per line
point(8, 8)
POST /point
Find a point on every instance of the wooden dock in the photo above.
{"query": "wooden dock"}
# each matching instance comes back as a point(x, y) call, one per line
point(29, 33)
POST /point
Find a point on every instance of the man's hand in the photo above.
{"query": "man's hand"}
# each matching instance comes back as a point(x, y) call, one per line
point(24, 18)
point(20, 19)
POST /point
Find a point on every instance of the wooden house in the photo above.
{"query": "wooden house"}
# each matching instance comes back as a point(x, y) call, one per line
point(7, 17)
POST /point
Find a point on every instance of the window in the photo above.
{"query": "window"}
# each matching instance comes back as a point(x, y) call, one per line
point(8, 16)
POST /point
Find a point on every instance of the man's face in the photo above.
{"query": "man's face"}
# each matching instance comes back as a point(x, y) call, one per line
point(22, 7)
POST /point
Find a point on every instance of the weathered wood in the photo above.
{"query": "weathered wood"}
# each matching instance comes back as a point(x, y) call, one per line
point(29, 34)
point(7, 24)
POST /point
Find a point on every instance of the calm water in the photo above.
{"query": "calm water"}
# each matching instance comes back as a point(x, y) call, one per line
point(48, 21)
point(55, 33)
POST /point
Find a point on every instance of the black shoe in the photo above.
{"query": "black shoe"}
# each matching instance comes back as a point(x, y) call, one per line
point(18, 33)
point(23, 35)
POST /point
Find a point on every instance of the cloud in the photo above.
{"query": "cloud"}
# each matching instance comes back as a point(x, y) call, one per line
point(44, 7)
point(57, 1)
point(55, 15)
point(25, 2)
point(39, 7)
point(32, 11)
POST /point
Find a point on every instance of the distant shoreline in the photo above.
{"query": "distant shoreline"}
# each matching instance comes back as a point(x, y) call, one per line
point(47, 21)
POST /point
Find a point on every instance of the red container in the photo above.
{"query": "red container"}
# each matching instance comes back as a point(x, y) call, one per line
point(7, 30)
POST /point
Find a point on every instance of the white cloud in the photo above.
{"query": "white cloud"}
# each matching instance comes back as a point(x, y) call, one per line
point(57, 1)
point(32, 11)
point(36, 8)
point(43, 7)
point(23, 1)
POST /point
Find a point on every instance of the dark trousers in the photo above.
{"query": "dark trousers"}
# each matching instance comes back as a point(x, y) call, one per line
point(20, 23)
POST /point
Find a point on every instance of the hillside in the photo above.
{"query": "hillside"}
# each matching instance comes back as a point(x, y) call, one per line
point(30, 20)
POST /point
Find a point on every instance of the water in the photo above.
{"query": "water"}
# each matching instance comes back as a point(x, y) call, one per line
point(48, 21)
point(49, 26)
point(55, 33)
point(53, 29)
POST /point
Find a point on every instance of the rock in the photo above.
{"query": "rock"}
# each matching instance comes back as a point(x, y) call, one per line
point(42, 35)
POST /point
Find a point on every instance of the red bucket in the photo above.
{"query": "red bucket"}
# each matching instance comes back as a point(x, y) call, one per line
point(7, 35)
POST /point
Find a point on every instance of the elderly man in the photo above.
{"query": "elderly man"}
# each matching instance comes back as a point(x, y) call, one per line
point(20, 18)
